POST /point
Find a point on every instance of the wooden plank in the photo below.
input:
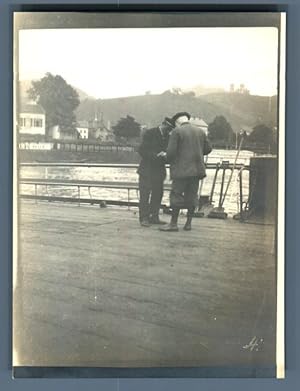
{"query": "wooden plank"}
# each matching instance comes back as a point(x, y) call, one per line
point(98, 289)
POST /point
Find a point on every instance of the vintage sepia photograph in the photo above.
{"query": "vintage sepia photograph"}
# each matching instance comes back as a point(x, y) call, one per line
point(149, 192)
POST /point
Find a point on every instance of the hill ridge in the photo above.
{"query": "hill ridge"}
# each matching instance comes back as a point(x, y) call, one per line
point(240, 110)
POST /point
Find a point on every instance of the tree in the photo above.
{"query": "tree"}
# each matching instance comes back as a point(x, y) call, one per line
point(58, 99)
point(127, 128)
point(262, 134)
point(220, 130)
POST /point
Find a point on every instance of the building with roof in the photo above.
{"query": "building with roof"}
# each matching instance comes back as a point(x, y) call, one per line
point(32, 119)
point(83, 129)
point(101, 130)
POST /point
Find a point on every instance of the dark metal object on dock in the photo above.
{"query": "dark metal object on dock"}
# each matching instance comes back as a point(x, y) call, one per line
point(261, 205)
point(203, 204)
point(219, 212)
point(206, 202)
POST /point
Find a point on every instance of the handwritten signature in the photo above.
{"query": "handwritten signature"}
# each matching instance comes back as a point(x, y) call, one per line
point(254, 344)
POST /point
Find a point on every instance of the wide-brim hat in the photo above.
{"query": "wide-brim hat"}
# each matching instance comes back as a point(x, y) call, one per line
point(180, 114)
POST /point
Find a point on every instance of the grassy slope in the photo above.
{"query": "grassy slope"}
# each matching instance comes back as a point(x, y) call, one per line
point(240, 110)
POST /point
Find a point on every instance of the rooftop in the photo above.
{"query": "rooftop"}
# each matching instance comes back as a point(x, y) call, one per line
point(31, 108)
point(83, 124)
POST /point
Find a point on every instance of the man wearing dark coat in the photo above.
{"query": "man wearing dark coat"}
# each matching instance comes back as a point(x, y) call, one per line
point(152, 172)
point(185, 152)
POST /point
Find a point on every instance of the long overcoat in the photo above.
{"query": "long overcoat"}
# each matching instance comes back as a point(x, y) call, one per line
point(152, 143)
point(185, 152)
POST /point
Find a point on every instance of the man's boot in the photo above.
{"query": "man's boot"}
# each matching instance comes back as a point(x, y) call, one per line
point(188, 224)
point(172, 227)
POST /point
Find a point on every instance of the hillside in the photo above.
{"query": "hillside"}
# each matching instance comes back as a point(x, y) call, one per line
point(240, 110)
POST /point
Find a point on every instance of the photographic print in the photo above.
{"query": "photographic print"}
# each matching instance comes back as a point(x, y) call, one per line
point(149, 192)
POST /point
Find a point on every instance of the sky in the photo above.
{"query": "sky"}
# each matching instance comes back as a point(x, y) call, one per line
point(109, 63)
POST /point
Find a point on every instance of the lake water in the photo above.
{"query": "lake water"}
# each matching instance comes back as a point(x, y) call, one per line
point(231, 203)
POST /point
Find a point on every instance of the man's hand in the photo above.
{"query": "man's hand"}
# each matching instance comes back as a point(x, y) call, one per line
point(161, 154)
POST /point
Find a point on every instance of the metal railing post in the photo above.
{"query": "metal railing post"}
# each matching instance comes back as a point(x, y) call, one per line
point(241, 195)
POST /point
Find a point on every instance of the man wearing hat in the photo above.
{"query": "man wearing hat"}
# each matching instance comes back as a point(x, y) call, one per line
point(185, 152)
point(152, 172)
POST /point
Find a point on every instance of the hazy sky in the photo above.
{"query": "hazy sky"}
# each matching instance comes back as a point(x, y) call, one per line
point(107, 63)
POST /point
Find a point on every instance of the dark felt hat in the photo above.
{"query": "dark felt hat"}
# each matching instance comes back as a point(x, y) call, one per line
point(180, 114)
point(169, 121)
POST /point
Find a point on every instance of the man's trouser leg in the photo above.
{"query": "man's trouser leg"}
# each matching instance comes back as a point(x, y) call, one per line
point(176, 202)
point(144, 190)
point(174, 217)
point(188, 223)
point(157, 183)
point(191, 200)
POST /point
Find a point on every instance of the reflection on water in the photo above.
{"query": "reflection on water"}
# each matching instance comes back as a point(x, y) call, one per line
point(231, 203)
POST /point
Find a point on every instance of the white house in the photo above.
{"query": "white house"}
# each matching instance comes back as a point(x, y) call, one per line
point(32, 119)
point(200, 123)
point(83, 129)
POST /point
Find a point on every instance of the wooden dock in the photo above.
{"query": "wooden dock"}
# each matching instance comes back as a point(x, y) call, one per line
point(96, 289)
